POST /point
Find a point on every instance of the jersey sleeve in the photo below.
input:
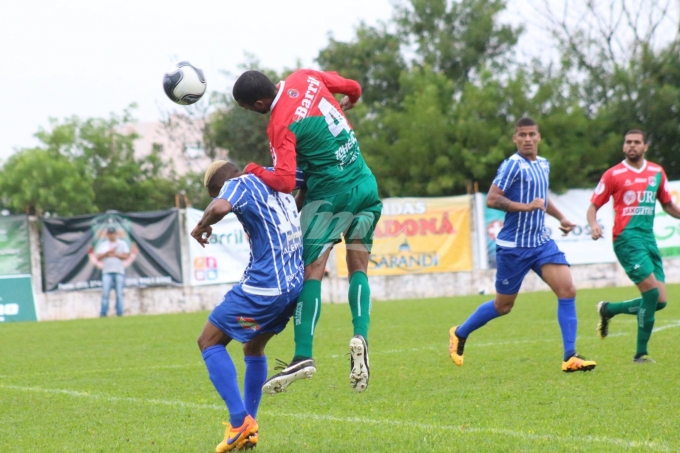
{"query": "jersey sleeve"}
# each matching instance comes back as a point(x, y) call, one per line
point(506, 175)
point(234, 191)
point(299, 177)
point(338, 84)
point(282, 142)
point(664, 192)
point(604, 190)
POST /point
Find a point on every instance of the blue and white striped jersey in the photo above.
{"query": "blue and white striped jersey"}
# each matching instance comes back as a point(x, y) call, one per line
point(522, 180)
point(272, 223)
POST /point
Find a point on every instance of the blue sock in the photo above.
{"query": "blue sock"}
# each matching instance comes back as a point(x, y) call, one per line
point(256, 375)
point(484, 313)
point(222, 373)
point(566, 316)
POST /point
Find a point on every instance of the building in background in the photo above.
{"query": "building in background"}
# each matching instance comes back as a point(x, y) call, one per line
point(179, 140)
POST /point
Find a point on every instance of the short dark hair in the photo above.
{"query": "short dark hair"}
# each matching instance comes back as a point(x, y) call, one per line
point(524, 122)
point(253, 86)
point(219, 175)
point(111, 230)
point(637, 131)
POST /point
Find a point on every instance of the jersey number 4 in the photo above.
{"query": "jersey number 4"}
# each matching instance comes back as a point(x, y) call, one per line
point(336, 120)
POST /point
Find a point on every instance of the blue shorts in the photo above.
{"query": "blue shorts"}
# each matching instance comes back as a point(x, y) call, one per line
point(514, 264)
point(243, 316)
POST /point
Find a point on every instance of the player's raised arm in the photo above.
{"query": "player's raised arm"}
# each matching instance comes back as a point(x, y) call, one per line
point(496, 200)
point(215, 212)
point(337, 84)
point(282, 179)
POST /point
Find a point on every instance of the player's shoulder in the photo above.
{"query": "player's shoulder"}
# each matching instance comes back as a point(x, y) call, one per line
point(616, 170)
point(653, 167)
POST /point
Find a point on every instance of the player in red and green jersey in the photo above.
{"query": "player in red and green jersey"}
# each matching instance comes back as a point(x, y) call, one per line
point(308, 128)
point(635, 184)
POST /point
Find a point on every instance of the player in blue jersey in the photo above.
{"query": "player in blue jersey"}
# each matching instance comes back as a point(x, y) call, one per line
point(521, 190)
point(260, 305)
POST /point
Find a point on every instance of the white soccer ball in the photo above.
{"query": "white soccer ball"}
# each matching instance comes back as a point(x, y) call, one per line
point(184, 85)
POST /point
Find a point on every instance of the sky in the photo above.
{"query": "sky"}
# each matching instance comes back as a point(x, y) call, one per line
point(91, 58)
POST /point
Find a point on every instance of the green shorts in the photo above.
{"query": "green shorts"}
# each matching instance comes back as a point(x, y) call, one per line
point(353, 214)
point(640, 258)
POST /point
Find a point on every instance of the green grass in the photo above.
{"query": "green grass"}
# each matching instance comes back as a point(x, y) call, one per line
point(138, 384)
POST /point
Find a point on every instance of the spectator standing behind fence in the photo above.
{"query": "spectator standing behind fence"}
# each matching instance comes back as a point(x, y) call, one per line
point(112, 252)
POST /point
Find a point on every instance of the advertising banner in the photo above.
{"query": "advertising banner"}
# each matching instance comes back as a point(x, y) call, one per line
point(225, 258)
point(666, 228)
point(419, 235)
point(16, 299)
point(73, 260)
point(15, 250)
point(493, 222)
point(578, 246)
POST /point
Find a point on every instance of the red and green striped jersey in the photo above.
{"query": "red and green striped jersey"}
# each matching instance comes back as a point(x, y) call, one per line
point(635, 192)
point(307, 123)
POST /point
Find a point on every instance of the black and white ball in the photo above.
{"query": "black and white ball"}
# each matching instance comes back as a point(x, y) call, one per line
point(184, 85)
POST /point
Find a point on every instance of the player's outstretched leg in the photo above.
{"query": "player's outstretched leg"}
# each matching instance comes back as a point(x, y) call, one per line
point(290, 372)
point(359, 364)
point(458, 334)
point(607, 310)
point(359, 296)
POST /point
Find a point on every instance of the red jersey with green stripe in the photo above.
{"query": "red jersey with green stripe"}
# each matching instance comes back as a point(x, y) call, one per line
point(307, 123)
point(635, 192)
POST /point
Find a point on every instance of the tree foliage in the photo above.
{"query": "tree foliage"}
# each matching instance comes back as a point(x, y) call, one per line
point(85, 166)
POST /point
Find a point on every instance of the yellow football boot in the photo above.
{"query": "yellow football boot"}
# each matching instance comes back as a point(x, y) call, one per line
point(577, 363)
point(456, 346)
point(242, 438)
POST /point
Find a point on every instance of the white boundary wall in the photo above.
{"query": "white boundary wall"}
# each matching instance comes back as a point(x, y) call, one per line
point(61, 305)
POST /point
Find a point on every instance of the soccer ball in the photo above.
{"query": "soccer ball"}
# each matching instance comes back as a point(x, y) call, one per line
point(184, 85)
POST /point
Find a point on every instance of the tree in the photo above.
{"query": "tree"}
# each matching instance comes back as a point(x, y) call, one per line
point(622, 57)
point(85, 166)
point(33, 181)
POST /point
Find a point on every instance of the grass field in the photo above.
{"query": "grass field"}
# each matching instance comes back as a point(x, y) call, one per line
point(138, 384)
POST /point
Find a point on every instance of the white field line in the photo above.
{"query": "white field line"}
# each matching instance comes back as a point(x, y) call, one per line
point(670, 325)
point(654, 446)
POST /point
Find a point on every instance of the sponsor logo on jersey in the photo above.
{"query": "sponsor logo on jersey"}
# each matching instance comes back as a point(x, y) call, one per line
point(641, 196)
point(628, 183)
point(248, 323)
point(600, 188)
point(293, 93)
point(652, 181)
point(629, 197)
point(312, 90)
point(637, 210)
point(640, 180)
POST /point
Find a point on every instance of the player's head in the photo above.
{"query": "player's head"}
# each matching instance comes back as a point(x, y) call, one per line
point(635, 145)
point(217, 173)
point(254, 91)
point(112, 234)
point(526, 136)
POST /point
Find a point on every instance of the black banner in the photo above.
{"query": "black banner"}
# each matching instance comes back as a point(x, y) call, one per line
point(69, 246)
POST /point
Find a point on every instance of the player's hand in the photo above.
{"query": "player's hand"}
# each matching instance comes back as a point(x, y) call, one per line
point(346, 104)
point(566, 226)
point(596, 232)
point(202, 234)
point(537, 203)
